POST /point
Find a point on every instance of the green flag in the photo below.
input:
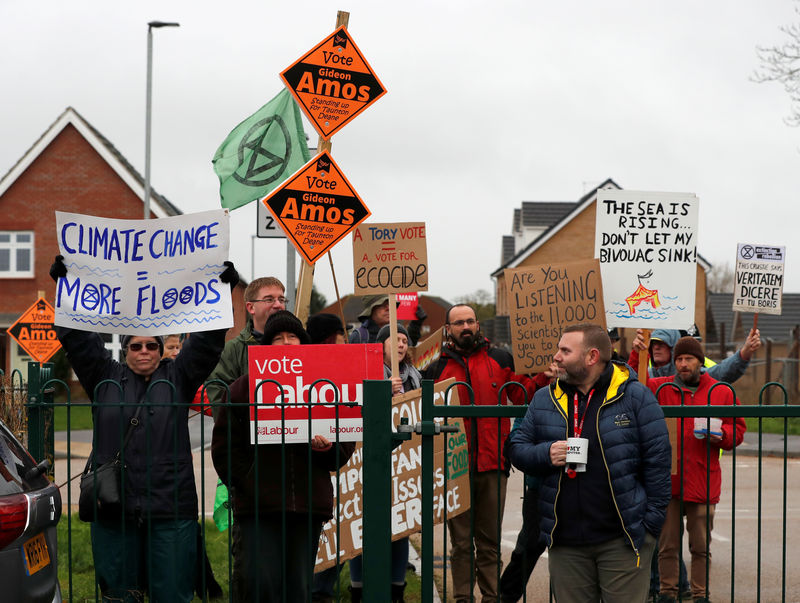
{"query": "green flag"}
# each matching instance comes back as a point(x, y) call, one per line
point(261, 152)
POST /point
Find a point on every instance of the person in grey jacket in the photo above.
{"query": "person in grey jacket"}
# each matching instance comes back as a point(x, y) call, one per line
point(600, 524)
point(151, 547)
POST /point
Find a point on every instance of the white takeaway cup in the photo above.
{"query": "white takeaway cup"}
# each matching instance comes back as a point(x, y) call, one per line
point(577, 451)
point(702, 425)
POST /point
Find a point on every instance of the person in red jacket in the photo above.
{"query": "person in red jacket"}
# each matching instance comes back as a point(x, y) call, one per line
point(696, 487)
point(468, 356)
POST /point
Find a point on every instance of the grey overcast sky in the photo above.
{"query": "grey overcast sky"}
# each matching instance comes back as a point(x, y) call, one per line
point(488, 104)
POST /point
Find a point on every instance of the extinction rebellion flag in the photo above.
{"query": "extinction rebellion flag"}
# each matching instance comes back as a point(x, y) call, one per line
point(261, 152)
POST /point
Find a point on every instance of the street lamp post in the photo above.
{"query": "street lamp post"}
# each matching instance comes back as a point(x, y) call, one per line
point(148, 109)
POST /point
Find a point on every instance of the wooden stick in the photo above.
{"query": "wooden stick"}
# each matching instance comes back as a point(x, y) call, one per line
point(393, 334)
point(755, 320)
point(644, 357)
point(338, 299)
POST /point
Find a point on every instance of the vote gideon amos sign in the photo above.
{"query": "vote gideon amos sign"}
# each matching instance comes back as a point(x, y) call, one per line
point(289, 384)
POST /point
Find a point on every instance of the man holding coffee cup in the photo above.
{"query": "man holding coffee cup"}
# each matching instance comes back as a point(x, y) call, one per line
point(598, 439)
point(696, 487)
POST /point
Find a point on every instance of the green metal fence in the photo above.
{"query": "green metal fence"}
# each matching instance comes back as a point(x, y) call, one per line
point(380, 436)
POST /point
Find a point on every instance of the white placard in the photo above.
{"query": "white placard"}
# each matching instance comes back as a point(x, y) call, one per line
point(758, 286)
point(647, 246)
point(144, 276)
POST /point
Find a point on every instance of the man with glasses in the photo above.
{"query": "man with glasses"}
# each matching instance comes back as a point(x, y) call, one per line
point(469, 357)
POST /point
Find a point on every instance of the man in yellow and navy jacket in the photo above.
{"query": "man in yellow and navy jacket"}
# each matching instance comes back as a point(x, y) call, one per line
point(602, 524)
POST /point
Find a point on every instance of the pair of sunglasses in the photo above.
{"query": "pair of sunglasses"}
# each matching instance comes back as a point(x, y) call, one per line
point(151, 346)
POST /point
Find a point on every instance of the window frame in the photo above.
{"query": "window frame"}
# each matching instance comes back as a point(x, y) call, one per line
point(13, 246)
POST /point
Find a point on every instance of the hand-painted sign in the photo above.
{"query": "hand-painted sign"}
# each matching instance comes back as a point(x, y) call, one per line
point(333, 83)
point(409, 302)
point(451, 459)
point(428, 351)
point(647, 246)
point(144, 276)
point(314, 379)
point(316, 207)
point(544, 299)
point(34, 331)
point(759, 278)
point(390, 258)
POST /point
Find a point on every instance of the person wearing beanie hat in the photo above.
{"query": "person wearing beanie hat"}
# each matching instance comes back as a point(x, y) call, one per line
point(325, 328)
point(375, 314)
point(284, 328)
point(263, 508)
point(697, 487)
point(690, 346)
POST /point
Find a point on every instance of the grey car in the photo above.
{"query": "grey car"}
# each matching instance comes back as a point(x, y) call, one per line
point(30, 507)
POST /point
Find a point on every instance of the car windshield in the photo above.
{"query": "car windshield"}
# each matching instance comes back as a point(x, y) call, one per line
point(15, 462)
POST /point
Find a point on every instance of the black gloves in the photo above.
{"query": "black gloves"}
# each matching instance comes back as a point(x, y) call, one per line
point(229, 275)
point(58, 269)
point(421, 314)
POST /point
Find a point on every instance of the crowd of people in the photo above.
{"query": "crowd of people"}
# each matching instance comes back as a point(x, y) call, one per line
point(612, 525)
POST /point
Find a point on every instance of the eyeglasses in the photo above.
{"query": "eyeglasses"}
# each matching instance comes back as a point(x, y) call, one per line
point(470, 322)
point(151, 346)
point(271, 300)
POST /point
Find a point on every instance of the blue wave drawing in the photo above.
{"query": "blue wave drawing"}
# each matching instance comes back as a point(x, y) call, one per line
point(643, 312)
point(96, 271)
point(119, 324)
point(174, 315)
point(217, 267)
point(171, 271)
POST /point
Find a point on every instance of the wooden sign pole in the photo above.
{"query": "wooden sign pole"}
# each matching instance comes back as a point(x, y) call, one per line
point(306, 281)
point(644, 357)
point(393, 334)
point(672, 423)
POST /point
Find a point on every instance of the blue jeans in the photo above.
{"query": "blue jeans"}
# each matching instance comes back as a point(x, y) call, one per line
point(158, 557)
point(399, 564)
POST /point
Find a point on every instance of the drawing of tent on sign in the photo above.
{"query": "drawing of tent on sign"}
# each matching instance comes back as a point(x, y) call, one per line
point(643, 294)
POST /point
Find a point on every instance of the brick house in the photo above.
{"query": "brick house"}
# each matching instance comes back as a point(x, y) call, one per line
point(74, 168)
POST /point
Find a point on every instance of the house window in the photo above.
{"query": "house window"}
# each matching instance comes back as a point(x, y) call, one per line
point(16, 253)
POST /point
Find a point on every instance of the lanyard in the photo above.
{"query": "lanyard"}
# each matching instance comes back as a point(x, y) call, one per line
point(578, 427)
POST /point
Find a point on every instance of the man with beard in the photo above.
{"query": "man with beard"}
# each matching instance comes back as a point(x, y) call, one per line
point(468, 357)
point(698, 467)
point(600, 520)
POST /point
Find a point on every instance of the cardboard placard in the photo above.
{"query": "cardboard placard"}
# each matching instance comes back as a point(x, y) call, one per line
point(390, 258)
point(338, 372)
point(647, 246)
point(758, 286)
point(144, 277)
point(451, 459)
point(542, 301)
point(428, 351)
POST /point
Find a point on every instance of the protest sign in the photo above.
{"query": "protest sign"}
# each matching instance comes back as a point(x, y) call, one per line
point(758, 286)
point(542, 301)
point(144, 276)
point(34, 331)
point(390, 258)
point(333, 83)
point(316, 207)
point(451, 460)
point(427, 352)
point(408, 304)
point(647, 246)
point(313, 379)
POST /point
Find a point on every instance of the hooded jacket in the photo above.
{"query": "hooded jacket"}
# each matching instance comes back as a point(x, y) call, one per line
point(232, 363)
point(159, 474)
point(486, 369)
point(729, 370)
point(636, 453)
point(702, 476)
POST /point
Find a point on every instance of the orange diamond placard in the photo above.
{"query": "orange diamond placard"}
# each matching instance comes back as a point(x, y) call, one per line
point(35, 333)
point(333, 83)
point(316, 207)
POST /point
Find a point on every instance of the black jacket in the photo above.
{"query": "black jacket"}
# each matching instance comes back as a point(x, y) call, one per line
point(158, 458)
